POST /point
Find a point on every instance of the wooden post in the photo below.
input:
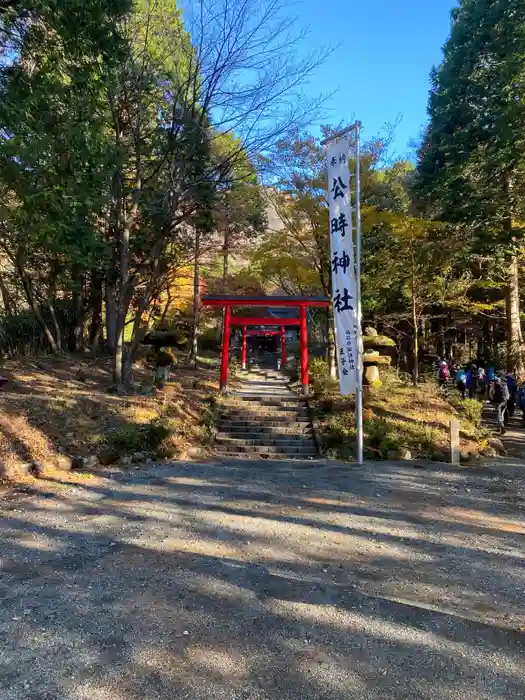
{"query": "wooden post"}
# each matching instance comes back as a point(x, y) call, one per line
point(225, 348)
point(304, 349)
point(244, 342)
point(455, 454)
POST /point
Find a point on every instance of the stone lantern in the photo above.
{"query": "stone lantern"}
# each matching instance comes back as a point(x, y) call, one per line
point(375, 353)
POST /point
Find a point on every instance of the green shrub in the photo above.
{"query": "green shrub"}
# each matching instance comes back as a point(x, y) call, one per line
point(320, 378)
point(209, 339)
point(318, 369)
point(381, 436)
point(139, 438)
point(428, 441)
point(470, 409)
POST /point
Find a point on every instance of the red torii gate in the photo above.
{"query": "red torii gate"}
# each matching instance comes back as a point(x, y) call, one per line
point(302, 303)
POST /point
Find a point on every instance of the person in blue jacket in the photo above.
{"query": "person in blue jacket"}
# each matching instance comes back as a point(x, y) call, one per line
point(461, 382)
point(521, 399)
point(472, 381)
point(513, 392)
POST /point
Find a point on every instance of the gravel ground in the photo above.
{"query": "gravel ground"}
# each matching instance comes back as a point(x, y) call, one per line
point(259, 581)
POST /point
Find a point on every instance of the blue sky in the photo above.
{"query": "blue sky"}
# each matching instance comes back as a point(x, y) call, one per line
point(381, 69)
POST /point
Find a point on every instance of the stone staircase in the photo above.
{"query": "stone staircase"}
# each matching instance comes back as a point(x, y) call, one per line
point(263, 419)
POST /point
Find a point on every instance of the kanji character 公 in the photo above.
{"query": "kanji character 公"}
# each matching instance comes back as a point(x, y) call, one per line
point(338, 187)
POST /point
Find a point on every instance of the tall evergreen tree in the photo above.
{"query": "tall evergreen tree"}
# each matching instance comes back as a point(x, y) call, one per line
point(471, 169)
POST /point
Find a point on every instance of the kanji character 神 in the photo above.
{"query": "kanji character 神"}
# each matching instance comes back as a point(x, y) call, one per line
point(342, 261)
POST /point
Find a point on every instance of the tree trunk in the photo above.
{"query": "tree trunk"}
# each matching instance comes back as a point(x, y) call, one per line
point(225, 259)
point(415, 335)
point(424, 339)
point(136, 334)
point(111, 315)
point(76, 340)
point(196, 302)
point(56, 326)
point(28, 289)
point(225, 273)
point(6, 297)
point(167, 306)
point(514, 334)
point(96, 299)
point(122, 308)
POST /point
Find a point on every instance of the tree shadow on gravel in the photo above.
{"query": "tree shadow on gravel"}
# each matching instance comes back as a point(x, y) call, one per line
point(258, 581)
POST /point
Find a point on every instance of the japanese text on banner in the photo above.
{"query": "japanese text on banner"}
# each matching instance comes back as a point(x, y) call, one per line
point(342, 261)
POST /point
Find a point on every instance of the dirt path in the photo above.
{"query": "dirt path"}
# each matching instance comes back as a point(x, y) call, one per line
point(266, 581)
point(514, 438)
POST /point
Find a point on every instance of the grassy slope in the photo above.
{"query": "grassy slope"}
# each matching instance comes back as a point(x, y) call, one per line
point(62, 404)
point(397, 416)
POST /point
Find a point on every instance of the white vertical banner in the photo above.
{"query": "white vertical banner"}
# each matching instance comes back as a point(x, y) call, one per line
point(344, 289)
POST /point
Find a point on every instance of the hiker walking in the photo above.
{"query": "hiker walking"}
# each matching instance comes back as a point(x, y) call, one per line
point(520, 399)
point(482, 382)
point(499, 399)
point(461, 382)
point(491, 378)
point(512, 386)
point(443, 375)
point(472, 381)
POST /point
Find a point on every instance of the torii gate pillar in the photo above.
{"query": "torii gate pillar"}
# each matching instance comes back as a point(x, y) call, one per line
point(244, 347)
point(225, 348)
point(303, 337)
point(283, 347)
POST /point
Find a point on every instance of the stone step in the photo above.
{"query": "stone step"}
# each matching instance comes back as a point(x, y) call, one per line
point(258, 408)
point(256, 388)
point(263, 381)
point(265, 441)
point(272, 450)
point(246, 428)
point(252, 413)
point(271, 401)
point(246, 456)
point(250, 391)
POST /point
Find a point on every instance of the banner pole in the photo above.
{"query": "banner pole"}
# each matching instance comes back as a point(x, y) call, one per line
point(359, 313)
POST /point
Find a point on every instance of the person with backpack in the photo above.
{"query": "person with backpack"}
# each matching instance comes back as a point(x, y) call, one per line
point(443, 375)
point(520, 399)
point(482, 382)
point(500, 397)
point(512, 385)
point(461, 382)
point(472, 381)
